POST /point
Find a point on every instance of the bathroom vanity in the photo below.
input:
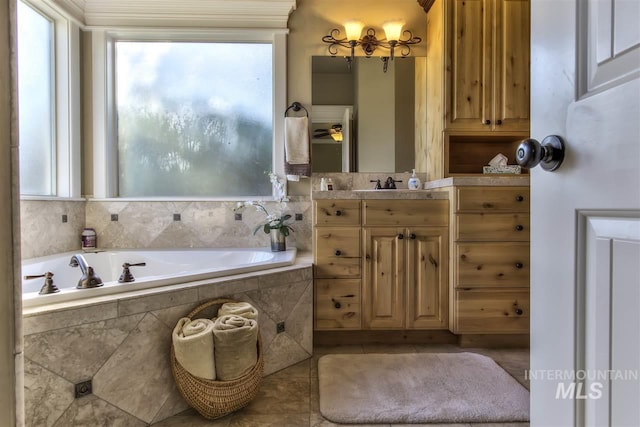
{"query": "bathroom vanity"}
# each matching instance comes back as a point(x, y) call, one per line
point(381, 260)
point(453, 257)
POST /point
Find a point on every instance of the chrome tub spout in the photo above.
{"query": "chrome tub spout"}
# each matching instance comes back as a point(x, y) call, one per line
point(89, 278)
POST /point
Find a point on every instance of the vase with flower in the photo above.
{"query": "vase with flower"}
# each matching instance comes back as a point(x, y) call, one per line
point(275, 221)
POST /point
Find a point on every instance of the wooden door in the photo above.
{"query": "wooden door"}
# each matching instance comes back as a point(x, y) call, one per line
point(469, 40)
point(384, 278)
point(585, 217)
point(511, 65)
point(427, 278)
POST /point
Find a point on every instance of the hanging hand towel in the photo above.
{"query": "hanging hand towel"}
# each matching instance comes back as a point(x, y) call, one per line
point(297, 146)
point(193, 346)
point(242, 309)
point(236, 340)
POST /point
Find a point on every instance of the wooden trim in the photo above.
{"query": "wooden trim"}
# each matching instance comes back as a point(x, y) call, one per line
point(384, 337)
point(426, 4)
point(494, 341)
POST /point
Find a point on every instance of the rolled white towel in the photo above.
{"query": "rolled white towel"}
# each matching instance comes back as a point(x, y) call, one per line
point(242, 309)
point(235, 341)
point(193, 345)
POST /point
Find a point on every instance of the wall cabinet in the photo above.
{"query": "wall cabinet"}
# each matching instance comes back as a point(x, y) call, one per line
point(487, 87)
point(477, 84)
point(405, 268)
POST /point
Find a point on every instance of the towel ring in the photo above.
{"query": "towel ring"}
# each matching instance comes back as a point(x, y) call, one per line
point(296, 106)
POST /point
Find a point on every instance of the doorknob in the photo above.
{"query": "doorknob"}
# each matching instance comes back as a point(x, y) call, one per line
point(549, 154)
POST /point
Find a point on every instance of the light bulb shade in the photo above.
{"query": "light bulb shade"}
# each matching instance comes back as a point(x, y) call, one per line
point(393, 30)
point(353, 29)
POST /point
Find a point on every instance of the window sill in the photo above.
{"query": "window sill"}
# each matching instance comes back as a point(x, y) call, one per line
point(52, 198)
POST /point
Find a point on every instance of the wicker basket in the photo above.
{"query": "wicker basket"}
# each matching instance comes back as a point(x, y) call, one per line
point(215, 399)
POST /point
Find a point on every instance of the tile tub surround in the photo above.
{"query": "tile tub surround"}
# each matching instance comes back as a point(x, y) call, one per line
point(123, 344)
point(151, 224)
point(43, 231)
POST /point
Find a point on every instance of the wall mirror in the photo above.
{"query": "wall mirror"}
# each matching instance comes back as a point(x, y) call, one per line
point(375, 111)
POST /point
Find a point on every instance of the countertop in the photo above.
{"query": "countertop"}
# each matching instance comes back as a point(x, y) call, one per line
point(402, 194)
point(493, 180)
point(427, 193)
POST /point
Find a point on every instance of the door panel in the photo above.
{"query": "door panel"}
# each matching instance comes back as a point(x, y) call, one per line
point(383, 278)
point(427, 278)
point(600, 125)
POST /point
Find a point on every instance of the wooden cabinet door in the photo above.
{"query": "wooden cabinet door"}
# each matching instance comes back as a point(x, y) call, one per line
point(384, 278)
point(511, 65)
point(427, 278)
point(469, 67)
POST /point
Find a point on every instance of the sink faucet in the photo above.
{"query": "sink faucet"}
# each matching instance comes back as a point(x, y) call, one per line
point(89, 279)
point(390, 183)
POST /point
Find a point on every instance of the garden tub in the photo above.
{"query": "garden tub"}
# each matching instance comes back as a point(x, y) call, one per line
point(163, 267)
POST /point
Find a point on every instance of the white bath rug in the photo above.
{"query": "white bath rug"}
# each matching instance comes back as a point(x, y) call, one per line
point(418, 388)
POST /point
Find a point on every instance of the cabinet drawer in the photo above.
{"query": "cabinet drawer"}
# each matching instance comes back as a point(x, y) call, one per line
point(493, 199)
point(406, 213)
point(338, 304)
point(496, 311)
point(492, 264)
point(337, 252)
point(510, 227)
point(337, 212)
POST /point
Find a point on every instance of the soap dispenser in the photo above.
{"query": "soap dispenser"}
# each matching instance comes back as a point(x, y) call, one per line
point(414, 181)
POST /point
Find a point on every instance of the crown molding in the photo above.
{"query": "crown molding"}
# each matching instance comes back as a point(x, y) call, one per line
point(185, 13)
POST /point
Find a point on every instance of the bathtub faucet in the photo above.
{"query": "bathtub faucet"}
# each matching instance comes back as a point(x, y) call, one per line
point(89, 278)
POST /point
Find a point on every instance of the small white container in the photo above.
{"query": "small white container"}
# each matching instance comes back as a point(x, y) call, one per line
point(414, 182)
point(323, 184)
point(89, 238)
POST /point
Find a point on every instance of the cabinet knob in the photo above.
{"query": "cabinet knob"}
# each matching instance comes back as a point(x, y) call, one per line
point(519, 265)
point(519, 227)
point(338, 213)
point(549, 153)
point(517, 309)
point(336, 304)
point(412, 236)
point(400, 236)
point(498, 122)
point(338, 252)
point(519, 198)
point(487, 122)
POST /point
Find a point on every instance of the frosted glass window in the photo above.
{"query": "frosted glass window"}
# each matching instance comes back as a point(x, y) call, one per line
point(36, 102)
point(194, 119)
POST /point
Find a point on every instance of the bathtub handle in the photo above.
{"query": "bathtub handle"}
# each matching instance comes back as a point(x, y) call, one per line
point(126, 276)
point(49, 287)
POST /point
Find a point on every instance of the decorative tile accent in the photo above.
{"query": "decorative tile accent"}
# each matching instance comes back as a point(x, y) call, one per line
point(47, 395)
point(92, 411)
point(78, 352)
point(137, 378)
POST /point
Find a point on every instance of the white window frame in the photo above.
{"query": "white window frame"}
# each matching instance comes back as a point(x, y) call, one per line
point(66, 95)
point(105, 167)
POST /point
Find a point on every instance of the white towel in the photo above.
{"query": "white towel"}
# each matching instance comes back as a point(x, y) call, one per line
point(193, 345)
point(296, 140)
point(242, 309)
point(236, 346)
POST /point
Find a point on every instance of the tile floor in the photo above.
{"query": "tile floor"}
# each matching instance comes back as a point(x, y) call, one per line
point(289, 398)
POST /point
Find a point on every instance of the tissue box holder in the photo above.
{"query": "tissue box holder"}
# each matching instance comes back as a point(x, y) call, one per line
point(508, 169)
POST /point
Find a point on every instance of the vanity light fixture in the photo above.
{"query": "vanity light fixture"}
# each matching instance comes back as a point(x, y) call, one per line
point(369, 42)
